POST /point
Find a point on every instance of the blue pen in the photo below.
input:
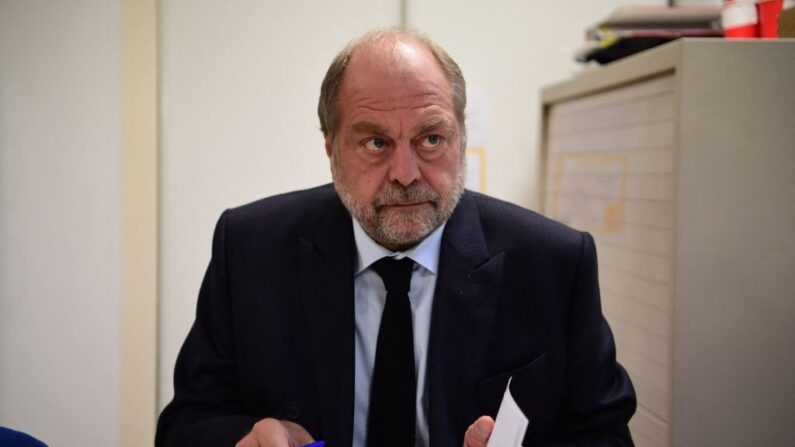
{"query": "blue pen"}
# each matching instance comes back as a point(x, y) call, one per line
point(316, 444)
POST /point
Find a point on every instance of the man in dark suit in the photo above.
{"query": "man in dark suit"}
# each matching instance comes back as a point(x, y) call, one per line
point(292, 340)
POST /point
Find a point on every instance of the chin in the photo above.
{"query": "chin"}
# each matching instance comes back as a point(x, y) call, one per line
point(403, 235)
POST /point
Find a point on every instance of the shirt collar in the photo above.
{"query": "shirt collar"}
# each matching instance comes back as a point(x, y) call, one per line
point(426, 253)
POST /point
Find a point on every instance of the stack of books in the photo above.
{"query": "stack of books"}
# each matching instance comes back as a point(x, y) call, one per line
point(631, 29)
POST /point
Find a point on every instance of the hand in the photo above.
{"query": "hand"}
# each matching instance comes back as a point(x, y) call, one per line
point(271, 432)
point(478, 433)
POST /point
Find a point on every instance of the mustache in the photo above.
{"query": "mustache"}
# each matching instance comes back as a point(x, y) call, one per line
point(396, 194)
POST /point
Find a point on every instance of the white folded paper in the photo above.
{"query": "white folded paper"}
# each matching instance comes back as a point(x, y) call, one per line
point(511, 423)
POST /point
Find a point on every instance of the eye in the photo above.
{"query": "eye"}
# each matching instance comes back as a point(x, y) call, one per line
point(430, 141)
point(375, 144)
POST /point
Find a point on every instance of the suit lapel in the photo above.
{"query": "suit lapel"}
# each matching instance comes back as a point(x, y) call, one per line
point(326, 269)
point(466, 294)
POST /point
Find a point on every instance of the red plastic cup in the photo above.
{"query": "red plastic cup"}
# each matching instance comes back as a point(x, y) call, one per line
point(740, 20)
point(768, 17)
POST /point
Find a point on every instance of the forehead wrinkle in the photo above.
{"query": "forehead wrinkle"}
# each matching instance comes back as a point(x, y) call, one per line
point(408, 101)
point(364, 122)
point(357, 111)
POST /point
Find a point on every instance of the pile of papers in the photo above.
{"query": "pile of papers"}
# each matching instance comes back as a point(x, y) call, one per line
point(631, 29)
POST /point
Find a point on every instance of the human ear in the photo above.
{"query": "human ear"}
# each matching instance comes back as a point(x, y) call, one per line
point(329, 146)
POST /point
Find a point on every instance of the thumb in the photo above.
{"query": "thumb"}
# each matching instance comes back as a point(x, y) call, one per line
point(478, 433)
point(298, 435)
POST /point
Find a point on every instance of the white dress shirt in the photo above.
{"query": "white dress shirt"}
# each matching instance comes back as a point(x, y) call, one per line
point(369, 300)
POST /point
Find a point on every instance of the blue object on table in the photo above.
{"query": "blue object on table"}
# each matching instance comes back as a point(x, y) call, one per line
point(316, 444)
point(13, 438)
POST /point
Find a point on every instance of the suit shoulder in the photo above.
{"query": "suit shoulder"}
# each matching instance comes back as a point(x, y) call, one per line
point(283, 212)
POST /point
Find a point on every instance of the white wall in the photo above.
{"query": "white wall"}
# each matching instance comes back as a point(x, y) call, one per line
point(59, 249)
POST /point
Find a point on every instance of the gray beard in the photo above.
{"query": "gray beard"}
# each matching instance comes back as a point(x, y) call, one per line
point(398, 230)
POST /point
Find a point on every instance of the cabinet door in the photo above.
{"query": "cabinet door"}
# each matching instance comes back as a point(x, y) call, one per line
point(610, 160)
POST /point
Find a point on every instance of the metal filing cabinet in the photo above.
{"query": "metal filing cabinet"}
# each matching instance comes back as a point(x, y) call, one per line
point(681, 162)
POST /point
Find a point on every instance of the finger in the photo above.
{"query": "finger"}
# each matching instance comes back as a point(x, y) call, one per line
point(298, 434)
point(248, 441)
point(478, 433)
point(267, 432)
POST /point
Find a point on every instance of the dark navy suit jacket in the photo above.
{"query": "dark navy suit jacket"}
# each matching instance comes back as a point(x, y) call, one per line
point(517, 296)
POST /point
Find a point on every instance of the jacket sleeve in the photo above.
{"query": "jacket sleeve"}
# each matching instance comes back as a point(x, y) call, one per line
point(206, 409)
point(599, 398)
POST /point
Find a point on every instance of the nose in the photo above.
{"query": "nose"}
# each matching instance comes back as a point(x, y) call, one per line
point(404, 165)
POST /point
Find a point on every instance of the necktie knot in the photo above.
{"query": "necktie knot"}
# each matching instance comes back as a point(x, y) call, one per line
point(395, 273)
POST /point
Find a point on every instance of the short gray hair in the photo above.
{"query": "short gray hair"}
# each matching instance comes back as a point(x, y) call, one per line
point(328, 104)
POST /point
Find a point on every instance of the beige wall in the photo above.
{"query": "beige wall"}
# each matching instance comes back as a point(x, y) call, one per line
point(139, 220)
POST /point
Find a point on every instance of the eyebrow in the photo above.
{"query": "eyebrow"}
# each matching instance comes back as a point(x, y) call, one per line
point(433, 124)
point(368, 128)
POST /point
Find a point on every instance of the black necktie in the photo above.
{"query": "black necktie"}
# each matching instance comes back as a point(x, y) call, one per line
point(393, 390)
